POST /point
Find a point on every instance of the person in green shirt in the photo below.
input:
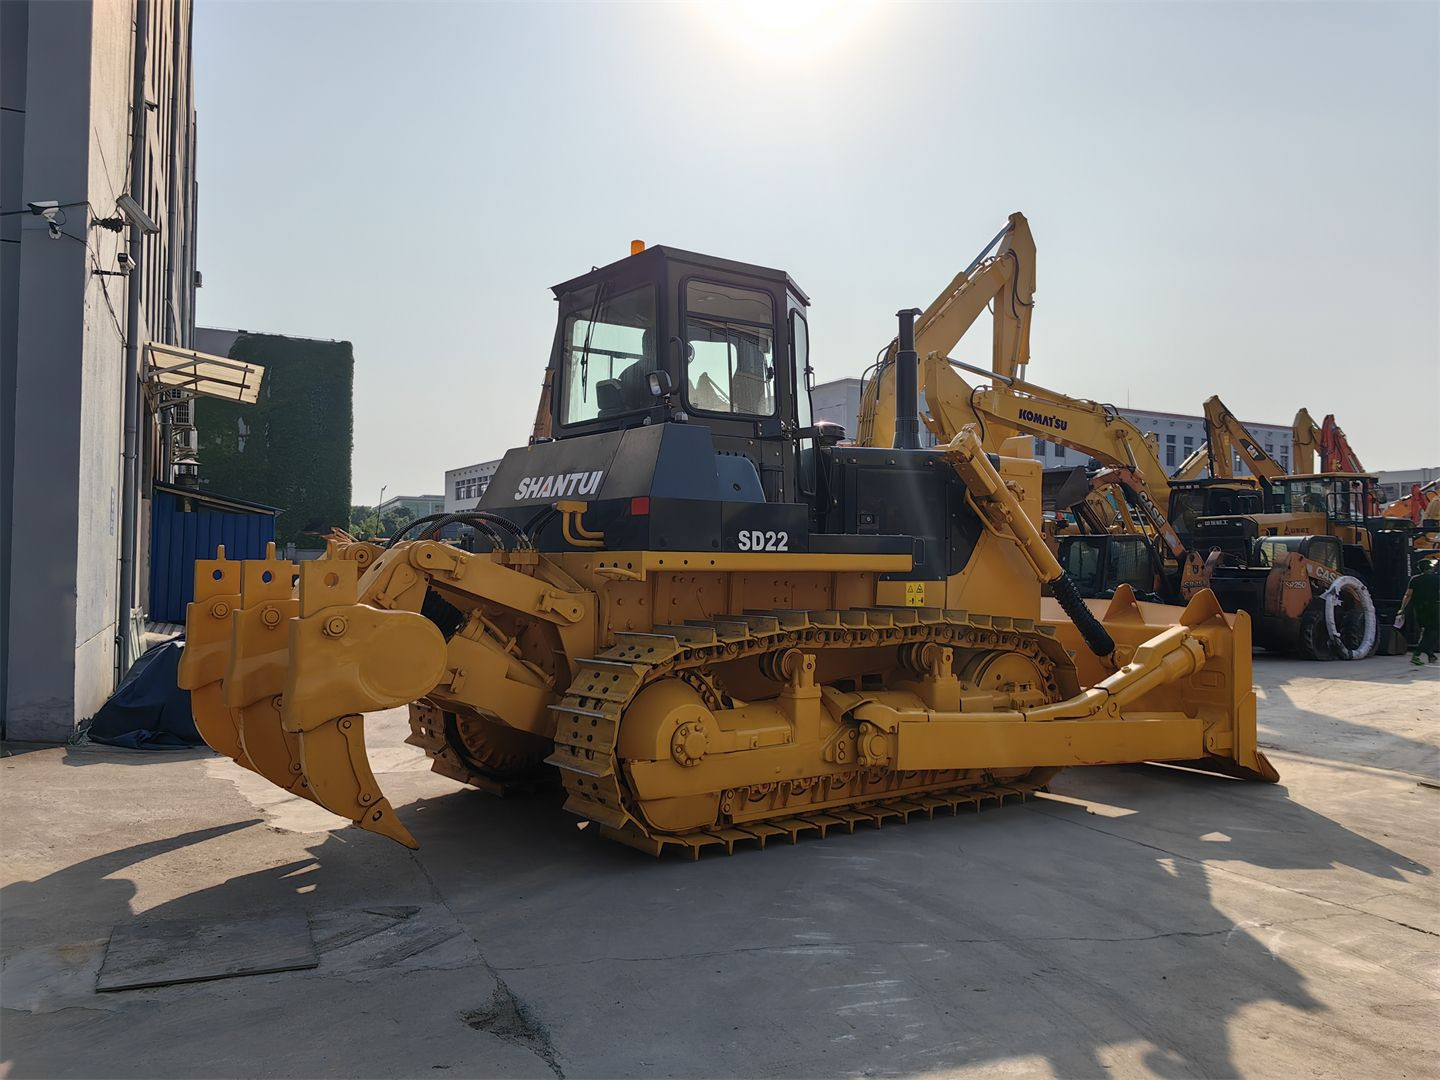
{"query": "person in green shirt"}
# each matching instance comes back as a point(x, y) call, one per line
point(1422, 604)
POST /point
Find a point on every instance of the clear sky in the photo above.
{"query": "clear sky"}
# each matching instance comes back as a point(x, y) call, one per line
point(1232, 198)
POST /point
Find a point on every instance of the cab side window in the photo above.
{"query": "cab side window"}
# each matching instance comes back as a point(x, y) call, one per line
point(800, 364)
point(730, 338)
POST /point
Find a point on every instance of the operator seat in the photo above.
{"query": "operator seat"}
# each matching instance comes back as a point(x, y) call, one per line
point(630, 390)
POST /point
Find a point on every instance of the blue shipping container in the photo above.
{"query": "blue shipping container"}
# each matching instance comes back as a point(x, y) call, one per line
point(186, 525)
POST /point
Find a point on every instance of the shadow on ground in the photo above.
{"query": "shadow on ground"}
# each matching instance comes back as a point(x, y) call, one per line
point(1044, 932)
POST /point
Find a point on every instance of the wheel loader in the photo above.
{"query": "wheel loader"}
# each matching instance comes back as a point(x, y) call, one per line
point(710, 620)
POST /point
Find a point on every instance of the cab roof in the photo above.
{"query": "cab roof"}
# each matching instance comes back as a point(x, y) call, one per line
point(647, 261)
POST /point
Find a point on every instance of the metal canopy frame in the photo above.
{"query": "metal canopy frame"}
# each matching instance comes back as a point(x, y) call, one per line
point(201, 373)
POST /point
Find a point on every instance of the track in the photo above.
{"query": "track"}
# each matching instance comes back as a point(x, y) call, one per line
point(590, 713)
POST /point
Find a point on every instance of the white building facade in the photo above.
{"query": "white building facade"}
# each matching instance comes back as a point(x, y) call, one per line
point(464, 486)
point(1395, 483)
point(1177, 435)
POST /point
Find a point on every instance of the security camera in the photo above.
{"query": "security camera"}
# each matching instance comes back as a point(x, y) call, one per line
point(135, 214)
point(125, 260)
point(54, 216)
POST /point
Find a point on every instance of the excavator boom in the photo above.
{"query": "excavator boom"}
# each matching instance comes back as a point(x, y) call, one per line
point(1304, 443)
point(1004, 281)
point(1336, 454)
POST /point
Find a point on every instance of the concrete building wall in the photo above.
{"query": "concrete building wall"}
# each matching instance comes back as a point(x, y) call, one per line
point(1395, 483)
point(464, 486)
point(68, 86)
point(839, 402)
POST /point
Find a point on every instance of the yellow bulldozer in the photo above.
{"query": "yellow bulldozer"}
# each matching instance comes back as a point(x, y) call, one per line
point(709, 618)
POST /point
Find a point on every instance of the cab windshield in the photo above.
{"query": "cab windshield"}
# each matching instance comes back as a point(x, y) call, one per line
point(607, 342)
point(1343, 500)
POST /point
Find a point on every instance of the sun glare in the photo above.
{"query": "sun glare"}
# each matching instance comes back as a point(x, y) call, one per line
point(793, 30)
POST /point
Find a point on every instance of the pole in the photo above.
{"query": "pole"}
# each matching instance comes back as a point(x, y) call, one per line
point(130, 479)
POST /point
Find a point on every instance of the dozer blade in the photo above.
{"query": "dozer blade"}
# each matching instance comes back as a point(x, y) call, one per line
point(206, 654)
point(255, 675)
point(1218, 692)
point(345, 659)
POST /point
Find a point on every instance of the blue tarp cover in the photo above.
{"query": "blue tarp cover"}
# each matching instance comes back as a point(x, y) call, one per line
point(148, 711)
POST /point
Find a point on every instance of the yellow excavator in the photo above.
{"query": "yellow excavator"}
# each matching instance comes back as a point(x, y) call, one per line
point(1228, 439)
point(712, 622)
point(1316, 597)
point(1002, 279)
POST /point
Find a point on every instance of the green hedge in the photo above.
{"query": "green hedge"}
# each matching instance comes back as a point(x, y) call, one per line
point(294, 452)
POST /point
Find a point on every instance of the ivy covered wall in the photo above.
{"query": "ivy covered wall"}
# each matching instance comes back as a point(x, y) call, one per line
point(291, 449)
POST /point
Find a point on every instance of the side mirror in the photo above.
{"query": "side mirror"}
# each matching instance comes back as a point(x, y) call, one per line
point(660, 385)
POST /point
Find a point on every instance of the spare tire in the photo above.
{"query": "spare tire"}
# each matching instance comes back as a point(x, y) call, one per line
point(1350, 618)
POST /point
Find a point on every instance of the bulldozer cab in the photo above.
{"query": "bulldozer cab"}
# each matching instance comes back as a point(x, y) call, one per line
point(670, 336)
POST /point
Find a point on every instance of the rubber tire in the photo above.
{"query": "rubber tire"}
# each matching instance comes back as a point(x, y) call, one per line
point(1313, 639)
point(1352, 628)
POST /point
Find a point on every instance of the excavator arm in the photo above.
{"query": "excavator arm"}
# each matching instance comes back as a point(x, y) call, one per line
point(1336, 454)
point(1196, 462)
point(1004, 281)
point(1225, 435)
point(1013, 405)
point(1304, 442)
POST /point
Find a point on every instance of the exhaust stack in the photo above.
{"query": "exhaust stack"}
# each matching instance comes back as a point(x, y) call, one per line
point(907, 384)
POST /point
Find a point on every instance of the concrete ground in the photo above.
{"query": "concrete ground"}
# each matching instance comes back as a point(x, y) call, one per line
point(1142, 921)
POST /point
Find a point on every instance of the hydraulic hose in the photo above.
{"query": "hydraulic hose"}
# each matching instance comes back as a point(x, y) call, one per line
point(411, 525)
point(1097, 638)
point(477, 523)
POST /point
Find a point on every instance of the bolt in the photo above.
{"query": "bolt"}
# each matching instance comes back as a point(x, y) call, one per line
point(345, 724)
point(220, 609)
point(335, 626)
point(270, 617)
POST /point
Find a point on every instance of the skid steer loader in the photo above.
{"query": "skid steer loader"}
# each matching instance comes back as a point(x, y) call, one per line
point(711, 620)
